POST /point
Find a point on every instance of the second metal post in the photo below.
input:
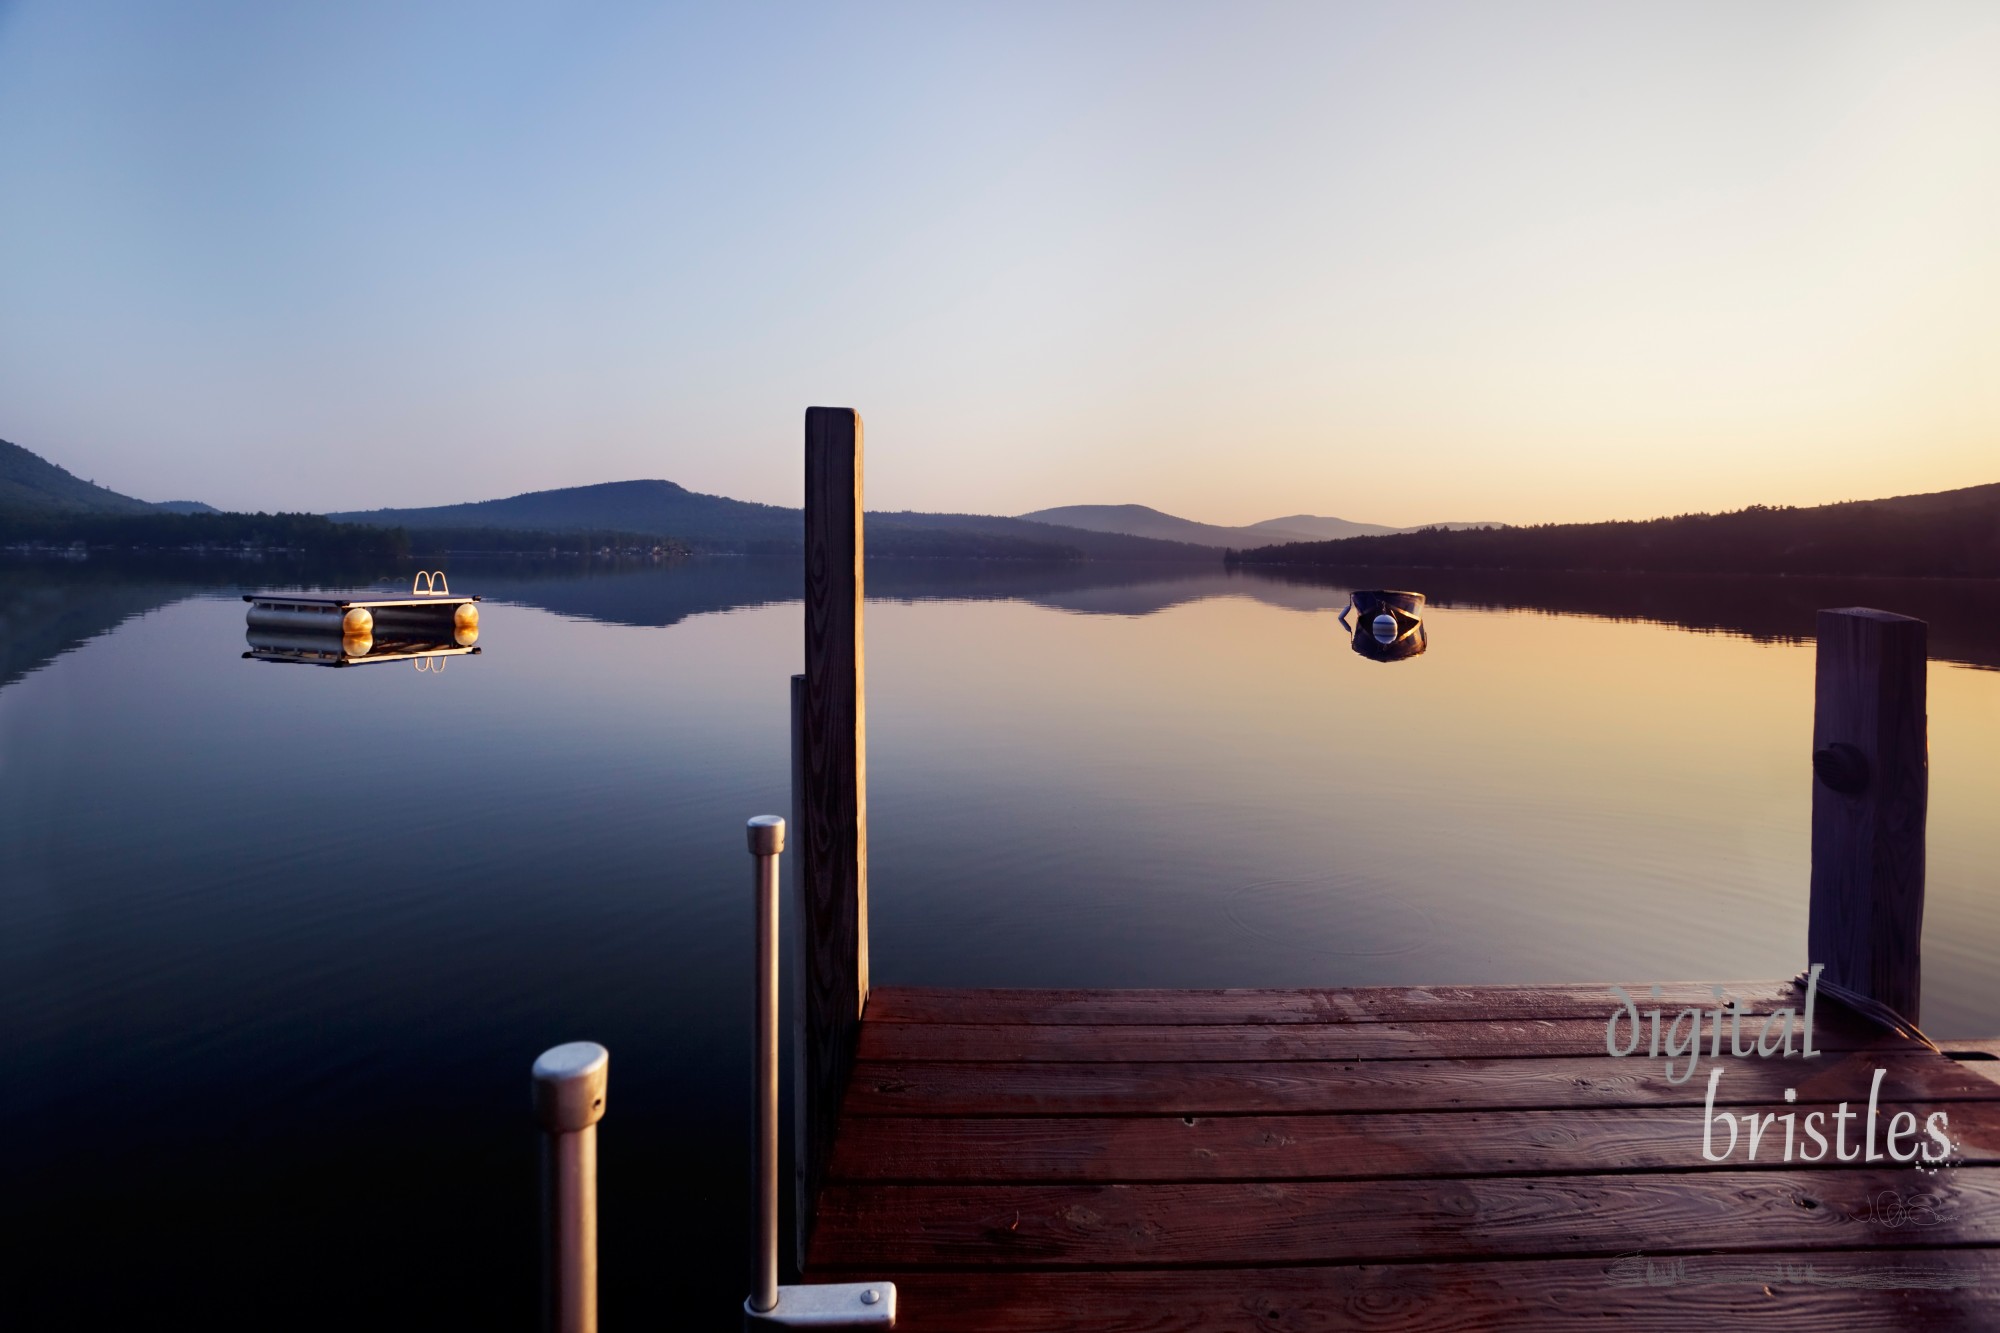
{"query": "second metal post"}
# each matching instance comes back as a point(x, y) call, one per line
point(767, 840)
point(569, 1101)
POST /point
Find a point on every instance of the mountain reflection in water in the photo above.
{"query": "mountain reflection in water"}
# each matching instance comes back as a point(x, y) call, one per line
point(1964, 614)
point(48, 607)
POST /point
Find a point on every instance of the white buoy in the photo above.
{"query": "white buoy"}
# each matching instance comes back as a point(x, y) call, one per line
point(1385, 629)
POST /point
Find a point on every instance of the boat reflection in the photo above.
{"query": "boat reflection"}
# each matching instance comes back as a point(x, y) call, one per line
point(1382, 643)
point(1388, 624)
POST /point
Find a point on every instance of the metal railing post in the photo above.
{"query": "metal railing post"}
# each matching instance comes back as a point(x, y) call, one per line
point(569, 1101)
point(832, 1305)
point(767, 842)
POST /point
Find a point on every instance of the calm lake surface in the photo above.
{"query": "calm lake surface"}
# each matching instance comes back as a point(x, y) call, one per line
point(279, 943)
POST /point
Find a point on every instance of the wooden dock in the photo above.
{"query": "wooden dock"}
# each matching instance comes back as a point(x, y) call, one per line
point(1415, 1158)
point(1407, 1158)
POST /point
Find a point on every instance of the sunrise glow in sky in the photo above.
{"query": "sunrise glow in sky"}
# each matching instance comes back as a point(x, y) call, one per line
point(1395, 262)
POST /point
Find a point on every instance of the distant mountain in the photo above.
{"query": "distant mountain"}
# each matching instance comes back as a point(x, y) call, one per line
point(653, 507)
point(908, 532)
point(45, 505)
point(1140, 521)
point(1941, 534)
point(1312, 528)
point(1316, 528)
point(717, 523)
point(1932, 502)
point(31, 484)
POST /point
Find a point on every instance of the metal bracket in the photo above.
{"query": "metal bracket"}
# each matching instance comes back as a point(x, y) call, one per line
point(832, 1305)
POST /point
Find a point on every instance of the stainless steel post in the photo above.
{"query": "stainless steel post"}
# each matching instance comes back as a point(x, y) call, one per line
point(830, 1305)
point(767, 842)
point(569, 1101)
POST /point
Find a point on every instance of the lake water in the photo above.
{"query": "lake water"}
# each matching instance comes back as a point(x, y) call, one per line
point(278, 943)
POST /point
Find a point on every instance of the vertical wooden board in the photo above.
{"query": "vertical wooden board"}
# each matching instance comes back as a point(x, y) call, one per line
point(802, 1121)
point(1868, 816)
point(833, 781)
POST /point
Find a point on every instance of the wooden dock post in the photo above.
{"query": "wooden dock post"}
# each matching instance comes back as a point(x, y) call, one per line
point(830, 798)
point(1871, 788)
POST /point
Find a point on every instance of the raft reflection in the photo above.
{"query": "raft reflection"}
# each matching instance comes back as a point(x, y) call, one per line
point(355, 649)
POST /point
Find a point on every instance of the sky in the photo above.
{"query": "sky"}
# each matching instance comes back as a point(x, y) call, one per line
point(1399, 263)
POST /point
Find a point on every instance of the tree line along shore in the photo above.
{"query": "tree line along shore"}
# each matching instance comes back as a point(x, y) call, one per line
point(1953, 534)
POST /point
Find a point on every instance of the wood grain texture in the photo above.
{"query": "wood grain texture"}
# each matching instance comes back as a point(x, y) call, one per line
point(832, 775)
point(1468, 1039)
point(1366, 1004)
point(1129, 1149)
point(1051, 1088)
point(1867, 908)
point(1262, 1223)
point(1842, 1291)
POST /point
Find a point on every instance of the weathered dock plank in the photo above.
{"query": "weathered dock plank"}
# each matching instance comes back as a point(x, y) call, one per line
point(1302, 1222)
point(1831, 1291)
point(1335, 1146)
point(1220, 1088)
point(1462, 1039)
point(1362, 1004)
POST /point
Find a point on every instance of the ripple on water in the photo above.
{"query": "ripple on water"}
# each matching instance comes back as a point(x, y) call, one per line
point(1332, 914)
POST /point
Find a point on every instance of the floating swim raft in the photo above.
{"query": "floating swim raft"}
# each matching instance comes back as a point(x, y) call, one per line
point(351, 628)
